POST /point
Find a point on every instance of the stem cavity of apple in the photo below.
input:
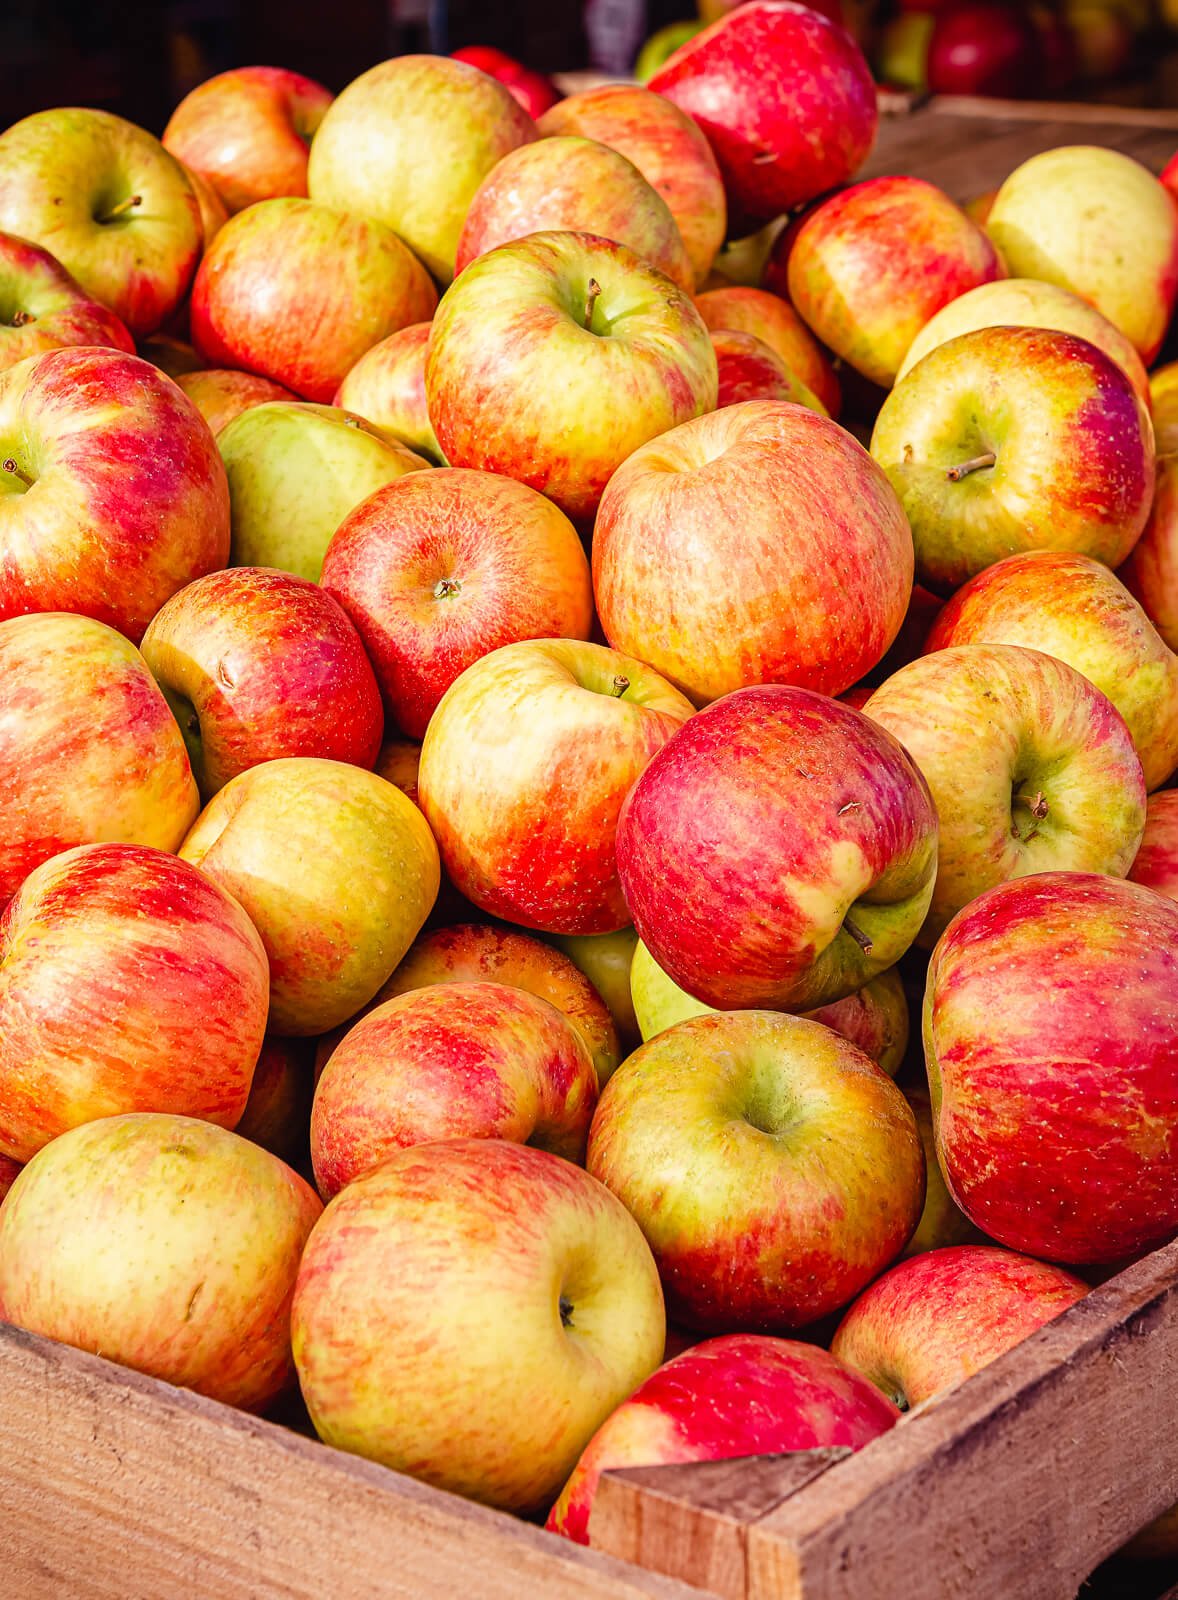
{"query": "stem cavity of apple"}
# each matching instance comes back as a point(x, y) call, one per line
point(1039, 809)
point(591, 301)
point(858, 935)
point(975, 464)
point(121, 209)
point(566, 1312)
point(13, 466)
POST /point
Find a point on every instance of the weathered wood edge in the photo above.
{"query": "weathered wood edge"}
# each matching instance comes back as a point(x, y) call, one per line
point(1077, 111)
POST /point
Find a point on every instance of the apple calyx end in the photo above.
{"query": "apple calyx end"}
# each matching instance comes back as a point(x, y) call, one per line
point(974, 464)
point(445, 587)
point(566, 1312)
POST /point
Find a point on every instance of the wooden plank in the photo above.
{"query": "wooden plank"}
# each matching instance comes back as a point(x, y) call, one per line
point(691, 1520)
point(116, 1487)
point(1016, 1484)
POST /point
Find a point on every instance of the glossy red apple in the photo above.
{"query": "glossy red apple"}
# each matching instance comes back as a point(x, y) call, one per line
point(1156, 866)
point(770, 318)
point(985, 49)
point(42, 308)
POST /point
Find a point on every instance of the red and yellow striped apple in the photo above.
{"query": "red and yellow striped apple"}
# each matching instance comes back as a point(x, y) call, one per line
point(1151, 572)
point(387, 388)
point(774, 321)
point(220, 393)
point(1156, 864)
point(749, 370)
point(42, 308)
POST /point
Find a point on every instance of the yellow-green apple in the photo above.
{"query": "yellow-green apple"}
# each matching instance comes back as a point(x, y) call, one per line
point(760, 544)
point(247, 132)
point(1051, 1039)
point(875, 1018)
point(1011, 439)
point(1032, 769)
point(451, 1061)
point(786, 99)
point(110, 203)
point(774, 321)
point(667, 147)
point(1151, 572)
point(8, 1175)
point(633, 355)
point(297, 292)
point(292, 840)
point(524, 769)
point(871, 265)
point(779, 851)
point(471, 1312)
point(409, 142)
point(1064, 216)
point(663, 43)
point(258, 664)
point(165, 1244)
point(1156, 865)
point(606, 959)
point(742, 1395)
point(568, 184)
point(749, 370)
point(535, 92)
point(1163, 394)
point(112, 494)
point(89, 752)
point(442, 567)
point(128, 982)
point(933, 1321)
point(220, 394)
point(214, 213)
point(295, 471)
point(1073, 608)
point(1025, 303)
point(988, 47)
point(387, 388)
point(42, 308)
point(941, 1222)
point(743, 262)
point(773, 1168)
point(901, 56)
point(277, 1114)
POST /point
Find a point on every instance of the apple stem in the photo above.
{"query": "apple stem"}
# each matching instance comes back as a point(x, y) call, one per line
point(20, 319)
point(446, 587)
point(619, 687)
point(858, 935)
point(122, 207)
point(976, 464)
point(18, 472)
point(591, 300)
point(1038, 804)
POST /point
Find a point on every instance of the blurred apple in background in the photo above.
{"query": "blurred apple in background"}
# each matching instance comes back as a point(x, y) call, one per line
point(1156, 866)
point(535, 92)
point(128, 982)
point(941, 1223)
point(42, 308)
point(1163, 393)
point(773, 320)
point(901, 56)
point(662, 44)
point(985, 49)
point(220, 394)
point(277, 1114)
point(1103, 39)
point(1151, 571)
point(387, 388)
point(605, 959)
point(367, 155)
point(749, 370)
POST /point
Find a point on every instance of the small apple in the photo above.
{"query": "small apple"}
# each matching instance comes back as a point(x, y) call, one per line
point(1151, 571)
point(941, 1223)
point(990, 47)
point(901, 56)
point(220, 394)
point(214, 213)
point(9, 1169)
point(277, 1114)
point(398, 763)
point(42, 308)
point(170, 355)
point(387, 388)
point(662, 44)
point(533, 90)
point(1156, 865)
point(1102, 38)
point(1163, 394)
point(774, 321)
point(749, 370)
point(606, 959)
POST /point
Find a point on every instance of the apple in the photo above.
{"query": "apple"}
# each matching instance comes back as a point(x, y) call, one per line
point(1057, 48)
point(110, 203)
point(471, 1312)
point(524, 768)
point(743, 263)
point(634, 359)
point(786, 99)
point(1064, 217)
point(112, 494)
point(773, 1168)
point(871, 265)
point(989, 48)
point(923, 610)
point(170, 355)
point(165, 1244)
point(89, 752)
point(760, 544)
point(220, 394)
point(1024, 303)
point(398, 763)
point(409, 142)
point(247, 132)
point(277, 1114)
point(1156, 865)
point(128, 982)
point(387, 388)
point(214, 213)
point(1074, 609)
point(742, 1395)
point(669, 150)
point(533, 90)
point(1151, 571)
point(933, 1321)
point(298, 293)
point(295, 471)
point(978, 209)
point(1102, 38)
point(1012, 439)
point(780, 851)
point(1051, 1037)
point(749, 370)
point(1163, 394)
point(1032, 769)
point(901, 57)
point(605, 959)
point(258, 665)
point(774, 321)
point(442, 567)
point(662, 44)
point(292, 840)
point(941, 1223)
point(42, 308)
point(9, 1170)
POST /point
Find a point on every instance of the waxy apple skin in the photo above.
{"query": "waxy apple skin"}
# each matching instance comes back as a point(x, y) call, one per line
point(89, 752)
point(128, 499)
point(220, 394)
point(768, 317)
point(1156, 864)
point(1074, 450)
point(1051, 1039)
point(387, 388)
point(1151, 572)
point(246, 132)
point(128, 982)
point(643, 364)
point(470, 1313)
point(442, 567)
point(258, 665)
point(451, 1061)
point(759, 544)
point(743, 1395)
point(42, 308)
point(165, 1244)
point(934, 1320)
point(771, 817)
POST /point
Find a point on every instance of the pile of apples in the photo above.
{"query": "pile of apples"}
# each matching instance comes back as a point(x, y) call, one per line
point(557, 912)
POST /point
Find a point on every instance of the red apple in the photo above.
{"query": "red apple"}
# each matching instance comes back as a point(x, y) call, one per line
point(1156, 865)
point(770, 318)
point(387, 388)
point(247, 132)
point(128, 982)
point(277, 1114)
point(220, 394)
point(985, 49)
point(749, 370)
point(780, 851)
point(42, 308)
point(257, 665)
point(941, 1222)
point(745, 1395)
point(786, 99)
point(1151, 571)
point(112, 493)
point(533, 90)
point(1051, 1036)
